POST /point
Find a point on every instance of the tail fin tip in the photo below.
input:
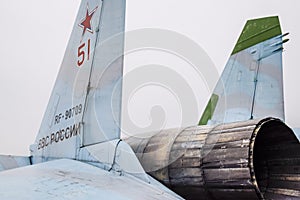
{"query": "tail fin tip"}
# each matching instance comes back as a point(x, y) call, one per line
point(256, 31)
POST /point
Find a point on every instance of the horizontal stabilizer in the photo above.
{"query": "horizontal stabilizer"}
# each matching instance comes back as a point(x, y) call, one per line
point(69, 179)
point(10, 162)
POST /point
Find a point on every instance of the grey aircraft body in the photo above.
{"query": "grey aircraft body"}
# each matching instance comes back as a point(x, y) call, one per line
point(243, 150)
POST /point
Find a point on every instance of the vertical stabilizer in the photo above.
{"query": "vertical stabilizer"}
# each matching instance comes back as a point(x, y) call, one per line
point(85, 104)
point(251, 85)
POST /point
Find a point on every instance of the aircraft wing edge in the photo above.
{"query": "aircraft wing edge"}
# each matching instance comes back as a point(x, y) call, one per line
point(66, 179)
point(10, 162)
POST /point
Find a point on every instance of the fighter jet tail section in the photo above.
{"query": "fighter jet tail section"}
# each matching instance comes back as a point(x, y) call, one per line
point(237, 156)
point(251, 84)
point(85, 105)
point(82, 120)
point(78, 153)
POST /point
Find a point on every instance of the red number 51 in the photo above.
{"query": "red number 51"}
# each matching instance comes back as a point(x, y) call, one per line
point(81, 52)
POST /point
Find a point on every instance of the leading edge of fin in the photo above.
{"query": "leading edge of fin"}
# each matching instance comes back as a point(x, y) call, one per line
point(256, 31)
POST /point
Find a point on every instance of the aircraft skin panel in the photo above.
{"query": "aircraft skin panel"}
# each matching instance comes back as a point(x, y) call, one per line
point(78, 153)
point(62, 121)
point(69, 179)
point(250, 89)
point(82, 122)
point(269, 96)
point(85, 105)
point(251, 85)
point(297, 133)
point(102, 115)
point(10, 162)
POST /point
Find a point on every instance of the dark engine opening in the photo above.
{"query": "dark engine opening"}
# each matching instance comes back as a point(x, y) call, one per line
point(276, 161)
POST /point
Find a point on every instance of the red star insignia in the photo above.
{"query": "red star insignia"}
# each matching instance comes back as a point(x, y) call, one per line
point(85, 23)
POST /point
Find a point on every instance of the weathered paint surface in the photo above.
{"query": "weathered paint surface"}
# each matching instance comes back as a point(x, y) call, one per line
point(254, 159)
point(11, 162)
point(69, 179)
point(251, 85)
point(85, 105)
point(82, 123)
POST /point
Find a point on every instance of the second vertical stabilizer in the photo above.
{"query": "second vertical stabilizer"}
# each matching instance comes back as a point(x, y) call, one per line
point(251, 85)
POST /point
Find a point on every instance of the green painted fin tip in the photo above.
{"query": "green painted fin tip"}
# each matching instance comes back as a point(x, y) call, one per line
point(256, 31)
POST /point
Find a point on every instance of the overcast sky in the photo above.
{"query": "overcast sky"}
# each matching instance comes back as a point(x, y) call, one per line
point(34, 35)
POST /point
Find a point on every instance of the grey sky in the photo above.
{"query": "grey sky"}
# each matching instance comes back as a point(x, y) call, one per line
point(34, 34)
